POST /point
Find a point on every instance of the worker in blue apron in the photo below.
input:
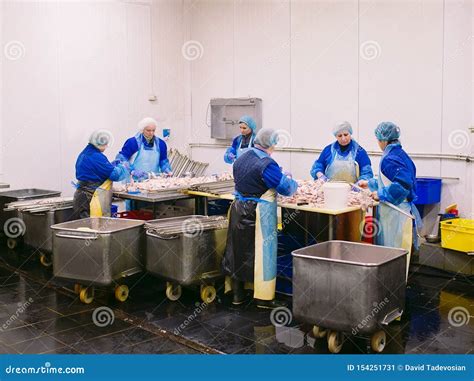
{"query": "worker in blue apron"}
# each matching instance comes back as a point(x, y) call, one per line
point(145, 152)
point(243, 142)
point(95, 175)
point(251, 250)
point(396, 184)
point(343, 160)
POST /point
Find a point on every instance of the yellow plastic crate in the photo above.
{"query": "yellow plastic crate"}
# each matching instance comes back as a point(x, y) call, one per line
point(458, 234)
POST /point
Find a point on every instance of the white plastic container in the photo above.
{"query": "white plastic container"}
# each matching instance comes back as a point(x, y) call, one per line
point(336, 194)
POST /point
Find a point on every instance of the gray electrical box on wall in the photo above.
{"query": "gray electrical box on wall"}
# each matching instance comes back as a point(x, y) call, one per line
point(226, 112)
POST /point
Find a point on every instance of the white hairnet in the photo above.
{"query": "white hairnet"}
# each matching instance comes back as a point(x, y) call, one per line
point(267, 137)
point(342, 126)
point(145, 122)
point(100, 138)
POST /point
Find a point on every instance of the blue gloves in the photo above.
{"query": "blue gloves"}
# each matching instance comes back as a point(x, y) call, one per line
point(323, 178)
point(139, 174)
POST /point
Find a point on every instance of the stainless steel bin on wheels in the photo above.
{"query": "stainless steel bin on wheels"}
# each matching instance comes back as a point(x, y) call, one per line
point(186, 251)
point(98, 251)
point(346, 288)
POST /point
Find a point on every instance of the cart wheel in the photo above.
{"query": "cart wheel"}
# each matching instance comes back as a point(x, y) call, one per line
point(12, 243)
point(77, 288)
point(45, 261)
point(335, 342)
point(319, 332)
point(86, 295)
point(173, 292)
point(121, 293)
point(208, 294)
point(378, 341)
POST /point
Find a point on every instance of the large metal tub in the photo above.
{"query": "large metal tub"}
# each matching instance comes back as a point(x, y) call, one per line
point(97, 251)
point(38, 233)
point(19, 195)
point(349, 287)
point(186, 250)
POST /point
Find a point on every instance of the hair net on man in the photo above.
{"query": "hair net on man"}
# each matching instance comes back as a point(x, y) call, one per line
point(249, 121)
point(387, 131)
point(266, 138)
point(341, 127)
point(145, 122)
point(100, 138)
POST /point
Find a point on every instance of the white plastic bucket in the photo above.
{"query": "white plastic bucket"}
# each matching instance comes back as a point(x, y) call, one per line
point(336, 194)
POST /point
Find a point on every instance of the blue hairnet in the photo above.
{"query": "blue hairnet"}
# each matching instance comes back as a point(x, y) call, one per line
point(387, 131)
point(267, 137)
point(343, 126)
point(248, 120)
point(100, 138)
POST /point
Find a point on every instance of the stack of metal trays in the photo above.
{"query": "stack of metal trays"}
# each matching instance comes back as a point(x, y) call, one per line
point(38, 215)
point(186, 251)
point(181, 164)
point(215, 187)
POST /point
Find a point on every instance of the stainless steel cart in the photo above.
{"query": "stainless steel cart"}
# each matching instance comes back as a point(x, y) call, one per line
point(19, 195)
point(98, 251)
point(186, 251)
point(38, 215)
point(346, 288)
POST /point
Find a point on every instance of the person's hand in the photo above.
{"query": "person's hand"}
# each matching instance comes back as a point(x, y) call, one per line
point(375, 195)
point(232, 157)
point(363, 183)
point(322, 177)
point(139, 174)
point(168, 174)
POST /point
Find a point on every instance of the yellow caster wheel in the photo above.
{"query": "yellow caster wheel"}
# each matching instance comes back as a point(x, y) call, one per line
point(378, 341)
point(86, 295)
point(12, 243)
point(173, 292)
point(121, 293)
point(45, 260)
point(319, 332)
point(208, 294)
point(77, 288)
point(335, 342)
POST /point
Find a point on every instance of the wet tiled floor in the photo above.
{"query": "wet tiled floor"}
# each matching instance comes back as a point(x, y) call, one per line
point(40, 314)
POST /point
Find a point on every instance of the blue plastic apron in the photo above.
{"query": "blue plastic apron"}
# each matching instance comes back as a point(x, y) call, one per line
point(240, 150)
point(343, 168)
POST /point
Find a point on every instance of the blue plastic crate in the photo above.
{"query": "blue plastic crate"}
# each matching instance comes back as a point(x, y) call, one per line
point(113, 210)
point(285, 266)
point(428, 191)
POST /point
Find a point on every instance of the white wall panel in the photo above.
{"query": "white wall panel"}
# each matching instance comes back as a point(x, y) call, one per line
point(401, 50)
point(323, 69)
point(211, 53)
point(31, 131)
point(262, 58)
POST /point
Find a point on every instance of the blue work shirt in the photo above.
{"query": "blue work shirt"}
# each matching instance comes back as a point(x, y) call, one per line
point(93, 166)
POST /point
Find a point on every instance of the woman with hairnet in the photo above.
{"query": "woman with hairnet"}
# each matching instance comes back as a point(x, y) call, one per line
point(244, 141)
point(396, 184)
point(145, 152)
point(343, 160)
point(251, 251)
point(95, 175)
